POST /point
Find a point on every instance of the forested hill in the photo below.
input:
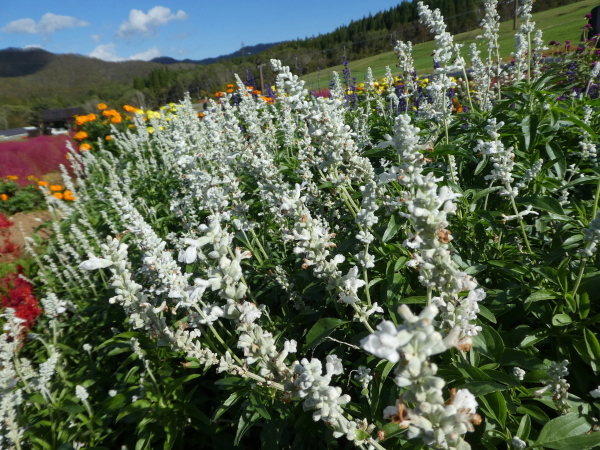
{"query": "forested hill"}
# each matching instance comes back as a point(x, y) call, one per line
point(244, 51)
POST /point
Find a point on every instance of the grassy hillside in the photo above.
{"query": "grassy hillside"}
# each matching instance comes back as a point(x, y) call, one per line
point(72, 76)
point(559, 24)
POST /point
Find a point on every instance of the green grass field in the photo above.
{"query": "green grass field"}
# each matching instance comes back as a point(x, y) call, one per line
point(559, 24)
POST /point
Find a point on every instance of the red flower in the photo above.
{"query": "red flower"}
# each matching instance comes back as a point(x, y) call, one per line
point(17, 293)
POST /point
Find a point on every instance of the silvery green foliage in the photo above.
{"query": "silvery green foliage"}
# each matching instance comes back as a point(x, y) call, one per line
point(439, 423)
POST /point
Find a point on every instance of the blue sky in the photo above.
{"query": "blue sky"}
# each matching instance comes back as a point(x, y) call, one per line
point(120, 30)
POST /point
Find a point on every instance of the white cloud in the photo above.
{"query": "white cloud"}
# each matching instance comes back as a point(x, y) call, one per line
point(146, 23)
point(48, 24)
point(149, 54)
point(108, 52)
point(96, 37)
point(27, 47)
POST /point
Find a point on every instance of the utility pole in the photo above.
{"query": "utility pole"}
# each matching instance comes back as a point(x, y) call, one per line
point(262, 81)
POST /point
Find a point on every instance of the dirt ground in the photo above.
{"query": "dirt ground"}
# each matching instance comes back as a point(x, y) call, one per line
point(29, 221)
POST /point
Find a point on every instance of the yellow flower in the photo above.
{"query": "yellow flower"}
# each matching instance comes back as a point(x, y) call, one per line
point(150, 130)
point(32, 178)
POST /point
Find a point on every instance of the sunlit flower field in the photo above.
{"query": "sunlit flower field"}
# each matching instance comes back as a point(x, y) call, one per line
point(399, 263)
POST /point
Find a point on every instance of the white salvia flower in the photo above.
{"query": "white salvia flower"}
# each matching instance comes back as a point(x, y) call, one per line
point(438, 423)
point(94, 263)
point(518, 373)
point(363, 376)
point(517, 443)
point(558, 385)
point(81, 393)
point(87, 348)
point(591, 235)
point(112, 393)
point(596, 392)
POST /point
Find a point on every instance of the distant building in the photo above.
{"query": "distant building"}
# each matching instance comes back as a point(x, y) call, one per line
point(59, 119)
point(19, 132)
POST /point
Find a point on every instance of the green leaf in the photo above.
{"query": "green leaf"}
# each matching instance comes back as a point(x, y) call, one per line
point(320, 330)
point(567, 432)
point(517, 358)
point(393, 226)
point(258, 406)
point(483, 192)
point(115, 402)
point(561, 320)
point(361, 435)
point(495, 405)
point(484, 312)
point(392, 430)
point(244, 424)
point(543, 203)
point(593, 348)
point(524, 428)
point(478, 388)
point(489, 343)
point(415, 300)
point(533, 411)
point(229, 401)
point(540, 295)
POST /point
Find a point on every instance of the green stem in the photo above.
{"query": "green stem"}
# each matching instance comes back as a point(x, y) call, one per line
point(514, 205)
point(363, 320)
point(596, 197)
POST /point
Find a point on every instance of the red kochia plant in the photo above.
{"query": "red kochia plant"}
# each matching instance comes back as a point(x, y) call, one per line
point(17, 293)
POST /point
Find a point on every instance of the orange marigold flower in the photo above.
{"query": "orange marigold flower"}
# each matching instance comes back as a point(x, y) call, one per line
point(230, 86)
point(101, 106)
point(108, 138)
point(219, 94)
point(117, 119)
point(85, 147)
point(229, 91)
point(91, 117)
point(80, 120)
point(256, 92)
point(56, 187)
point(68, 196)
point(3, 197)
point(80, 135)
point(110, 113)
point(130, 109)
point(200, 114)
point(42, 183)
point(12, 177)
point(249, 88)
point(67, 156)
point(58, 195)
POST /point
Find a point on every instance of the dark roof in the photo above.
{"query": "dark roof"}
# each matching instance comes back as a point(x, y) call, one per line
point(58, 115)
point(14, 131)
